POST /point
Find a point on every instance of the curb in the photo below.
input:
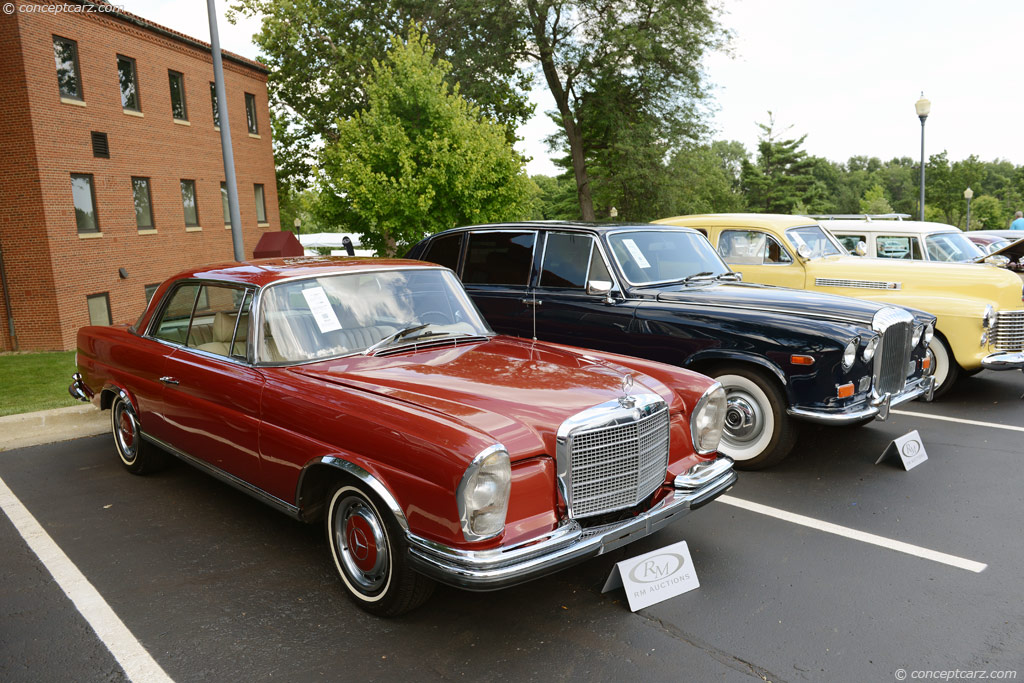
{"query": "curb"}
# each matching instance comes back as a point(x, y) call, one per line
point(49, 426)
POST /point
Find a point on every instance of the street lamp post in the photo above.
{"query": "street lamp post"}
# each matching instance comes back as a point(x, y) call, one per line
point(968, 193)
point(923, 107)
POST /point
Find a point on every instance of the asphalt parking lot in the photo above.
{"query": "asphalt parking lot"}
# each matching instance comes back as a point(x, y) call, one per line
point(215, 586)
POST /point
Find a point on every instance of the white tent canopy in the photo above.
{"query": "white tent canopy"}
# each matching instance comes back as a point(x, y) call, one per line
point(332, 241)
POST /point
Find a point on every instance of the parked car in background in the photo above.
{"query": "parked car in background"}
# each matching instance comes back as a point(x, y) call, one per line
point(889, 236)
point(980, 308)
point(1012, 249)
point(987, 243)
point(663, 294)
point(372, 395)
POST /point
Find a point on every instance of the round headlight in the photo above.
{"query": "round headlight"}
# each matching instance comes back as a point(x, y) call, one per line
point(869, 350)
point(929, 332)
point(918, 333)
point(708, 420)
point(850, 354)
point(483, 494)
point(988, 319)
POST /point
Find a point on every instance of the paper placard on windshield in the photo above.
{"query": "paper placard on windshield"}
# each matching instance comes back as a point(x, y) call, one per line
point(321, 309)
point(654, 576)
point(635, 252)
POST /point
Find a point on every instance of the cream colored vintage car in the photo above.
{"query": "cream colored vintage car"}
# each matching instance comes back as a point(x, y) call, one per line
point(979, 307)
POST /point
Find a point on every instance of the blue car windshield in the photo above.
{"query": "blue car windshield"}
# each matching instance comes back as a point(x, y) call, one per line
point(648, 257)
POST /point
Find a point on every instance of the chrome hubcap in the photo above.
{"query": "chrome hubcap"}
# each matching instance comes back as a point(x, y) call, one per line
point(126, 432)
point(743, 419)
point(359, 537)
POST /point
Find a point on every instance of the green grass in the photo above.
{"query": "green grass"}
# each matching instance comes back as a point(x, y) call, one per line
point(35, 381)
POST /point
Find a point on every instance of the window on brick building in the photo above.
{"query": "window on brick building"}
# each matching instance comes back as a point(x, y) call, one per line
point(69, 78)
point(84, 199)
point(224, 202)
point(261, 204)
point(188, 202)
point(213, 101)
point(250, 113)
point(143, 203)
point(178, 109)
point(99, 308)
point(129, 80)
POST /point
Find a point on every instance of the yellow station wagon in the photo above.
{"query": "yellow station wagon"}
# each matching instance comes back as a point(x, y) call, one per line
point(979, 307)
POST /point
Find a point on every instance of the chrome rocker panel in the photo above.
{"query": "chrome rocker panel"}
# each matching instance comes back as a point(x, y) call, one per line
point(877, 407)
point(486, 570)
point(1004, 360)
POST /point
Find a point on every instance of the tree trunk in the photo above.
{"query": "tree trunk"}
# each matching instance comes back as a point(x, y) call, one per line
point(538, 20)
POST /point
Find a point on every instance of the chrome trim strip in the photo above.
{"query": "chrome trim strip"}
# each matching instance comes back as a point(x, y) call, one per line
point(366, 478)
point(227, 478)
point(878, 407)
point(856, 284)
point(569, 544)
point(1004, 360)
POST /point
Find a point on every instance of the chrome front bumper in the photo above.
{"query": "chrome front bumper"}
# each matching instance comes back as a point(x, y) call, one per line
point(78, 390)
point(877, 406)
point(569, 544)
point(1004, 360)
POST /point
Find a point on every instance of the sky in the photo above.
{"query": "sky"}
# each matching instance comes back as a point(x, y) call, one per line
point(845, 74)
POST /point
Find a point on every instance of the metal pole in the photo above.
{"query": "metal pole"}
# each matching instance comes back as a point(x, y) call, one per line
point(922, 163)
point(968, 215)
point(225, 136)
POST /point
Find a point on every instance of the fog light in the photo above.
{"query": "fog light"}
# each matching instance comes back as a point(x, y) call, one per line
point(865, 384)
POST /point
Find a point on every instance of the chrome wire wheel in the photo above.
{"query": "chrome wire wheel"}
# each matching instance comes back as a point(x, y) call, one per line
point(361, 543)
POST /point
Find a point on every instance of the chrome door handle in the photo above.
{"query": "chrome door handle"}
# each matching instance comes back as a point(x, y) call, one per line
point(532, 302)
point(169, 380)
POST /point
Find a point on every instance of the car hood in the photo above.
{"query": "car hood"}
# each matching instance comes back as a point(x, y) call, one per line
point(516, 391)
point(767, 298)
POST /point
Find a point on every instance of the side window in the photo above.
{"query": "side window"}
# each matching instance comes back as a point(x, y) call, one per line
point(499, 258)
point(849, 242)
point(743, 247)
point(567, 259)
point(444, 251)
point(897, 246)
point(220, 323)
point(172, 325)
point(775, 252)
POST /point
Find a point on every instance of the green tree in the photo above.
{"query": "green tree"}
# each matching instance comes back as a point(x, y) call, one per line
point(419, 158)
point(874, 201)
point(987, 214)
point(782, 176)
point(554, 198)
point(702, 181)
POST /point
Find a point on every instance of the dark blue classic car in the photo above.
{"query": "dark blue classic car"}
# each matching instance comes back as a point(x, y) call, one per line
point(663, 293)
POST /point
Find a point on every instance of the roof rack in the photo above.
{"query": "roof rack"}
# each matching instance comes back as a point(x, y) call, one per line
point(864, 216)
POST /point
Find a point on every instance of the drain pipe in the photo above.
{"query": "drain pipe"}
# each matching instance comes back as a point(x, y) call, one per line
point(7, 301)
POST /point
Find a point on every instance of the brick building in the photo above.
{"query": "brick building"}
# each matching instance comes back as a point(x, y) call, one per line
point(111, 173)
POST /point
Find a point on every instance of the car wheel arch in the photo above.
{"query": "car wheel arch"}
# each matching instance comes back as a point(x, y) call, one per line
point(705, 361)
point(112, 391)
point(319, 476)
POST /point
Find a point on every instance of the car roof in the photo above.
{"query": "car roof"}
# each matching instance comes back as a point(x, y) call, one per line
point(572, 225)
point(887, 226)
point(262, 272)
point(732, 220)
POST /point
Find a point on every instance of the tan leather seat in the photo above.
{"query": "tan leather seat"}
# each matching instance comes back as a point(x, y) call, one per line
point(222, 330)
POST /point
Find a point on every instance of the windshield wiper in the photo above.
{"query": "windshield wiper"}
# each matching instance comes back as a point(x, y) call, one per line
point(698, 276)
point(404, 332)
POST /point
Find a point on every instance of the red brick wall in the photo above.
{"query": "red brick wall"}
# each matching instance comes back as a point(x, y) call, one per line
point(152, 146)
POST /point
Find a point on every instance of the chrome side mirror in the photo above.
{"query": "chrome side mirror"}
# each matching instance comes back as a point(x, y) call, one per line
point(861, 249)
point(599, 287)
point(804, 251)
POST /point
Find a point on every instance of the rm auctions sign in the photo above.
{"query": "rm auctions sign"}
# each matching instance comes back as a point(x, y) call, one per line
point(654, 576)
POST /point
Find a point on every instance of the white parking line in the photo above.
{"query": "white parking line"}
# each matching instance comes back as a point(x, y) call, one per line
point(828, 527)
point(993, 425)
point(128, 652)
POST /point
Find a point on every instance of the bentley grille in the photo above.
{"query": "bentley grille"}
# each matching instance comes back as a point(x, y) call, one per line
point(1009, 332)
point(613, 467)
point(893, 356)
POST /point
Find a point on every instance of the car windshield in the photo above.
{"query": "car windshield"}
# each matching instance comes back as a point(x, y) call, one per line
point(951, 246)
point(994, 245)
point(816, 239)
point(648, 257)
point(343, 314)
